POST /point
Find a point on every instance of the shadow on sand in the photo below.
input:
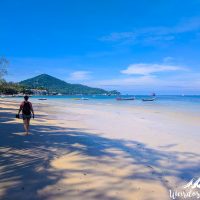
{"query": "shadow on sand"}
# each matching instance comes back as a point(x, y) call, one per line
point(25, 162)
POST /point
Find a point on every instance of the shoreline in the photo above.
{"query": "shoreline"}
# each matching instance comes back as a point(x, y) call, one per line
point(88, 153)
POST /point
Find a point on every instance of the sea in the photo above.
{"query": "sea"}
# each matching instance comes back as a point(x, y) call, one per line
point(185, 103)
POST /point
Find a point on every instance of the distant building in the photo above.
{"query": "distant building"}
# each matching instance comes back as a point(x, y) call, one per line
point(39, 92)
point(53, 93)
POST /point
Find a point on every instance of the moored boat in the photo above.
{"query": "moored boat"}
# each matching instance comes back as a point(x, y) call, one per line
point(152, 99)
point(125, 99)
point(83, 98)
point(42, 99)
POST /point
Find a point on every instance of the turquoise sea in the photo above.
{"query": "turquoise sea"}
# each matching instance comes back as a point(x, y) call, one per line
point(189, 103)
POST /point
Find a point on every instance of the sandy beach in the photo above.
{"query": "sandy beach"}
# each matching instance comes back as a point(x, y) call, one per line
point(96, 152)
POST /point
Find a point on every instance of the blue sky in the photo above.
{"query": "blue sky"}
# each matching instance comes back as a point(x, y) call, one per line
point(134, 46)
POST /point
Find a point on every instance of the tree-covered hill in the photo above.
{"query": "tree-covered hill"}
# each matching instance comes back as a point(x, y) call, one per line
point(52, 85)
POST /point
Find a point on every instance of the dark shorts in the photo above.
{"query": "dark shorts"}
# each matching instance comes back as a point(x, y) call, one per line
point(26, 116)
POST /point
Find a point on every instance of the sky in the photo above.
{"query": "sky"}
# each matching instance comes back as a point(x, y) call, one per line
point(134, 46)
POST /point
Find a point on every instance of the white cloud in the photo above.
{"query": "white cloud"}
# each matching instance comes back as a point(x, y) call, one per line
point(127, 81)
point(118, 36)
point(151, 35)
point(187, 82)
point(183, 81)
point(80, 75)
point(147, 69)
point(168, 59)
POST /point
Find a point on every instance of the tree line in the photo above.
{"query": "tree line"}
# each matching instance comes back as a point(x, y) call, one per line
point(8, 88)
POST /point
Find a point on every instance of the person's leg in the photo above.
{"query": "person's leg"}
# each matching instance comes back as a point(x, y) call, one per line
point(28, 123)
point(25, 126)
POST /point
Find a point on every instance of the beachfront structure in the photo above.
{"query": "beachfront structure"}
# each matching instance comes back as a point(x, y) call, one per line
point(39, 92)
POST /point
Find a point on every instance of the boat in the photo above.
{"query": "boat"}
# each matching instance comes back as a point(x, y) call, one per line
point(84, 98)
point(42, 99)
point(152, 99)
point(125, 99)
point(81, 98)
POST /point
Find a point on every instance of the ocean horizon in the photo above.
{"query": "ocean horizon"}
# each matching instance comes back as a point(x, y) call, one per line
point(186, 103)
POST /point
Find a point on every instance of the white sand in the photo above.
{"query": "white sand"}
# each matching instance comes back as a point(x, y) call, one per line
point(97, 152)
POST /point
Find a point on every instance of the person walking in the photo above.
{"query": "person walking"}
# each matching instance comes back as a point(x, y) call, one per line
point(26, 108)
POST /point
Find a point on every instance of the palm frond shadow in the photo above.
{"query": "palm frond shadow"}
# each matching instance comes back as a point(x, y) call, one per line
point(26, 161)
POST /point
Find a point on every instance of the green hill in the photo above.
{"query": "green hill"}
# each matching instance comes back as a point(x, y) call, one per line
point(55, 85)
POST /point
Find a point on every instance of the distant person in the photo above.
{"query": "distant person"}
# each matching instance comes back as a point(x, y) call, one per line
point(27, 109)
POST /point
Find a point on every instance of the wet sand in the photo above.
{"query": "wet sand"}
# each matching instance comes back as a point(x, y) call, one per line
point(96, 152)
